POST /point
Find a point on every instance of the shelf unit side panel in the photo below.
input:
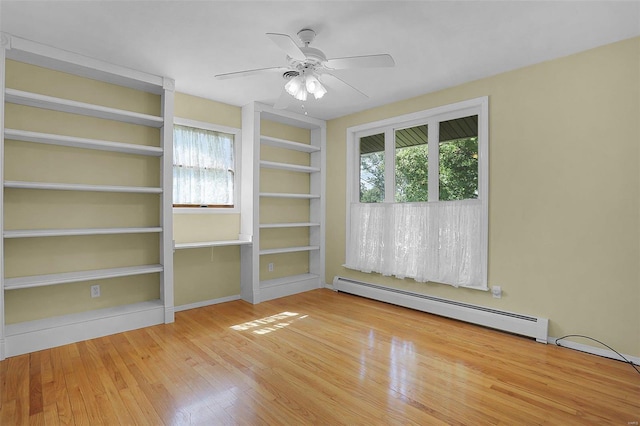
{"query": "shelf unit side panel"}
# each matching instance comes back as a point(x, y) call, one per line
point(317, 206)
point(250, 204)
point(166, 205)
point(4, 44)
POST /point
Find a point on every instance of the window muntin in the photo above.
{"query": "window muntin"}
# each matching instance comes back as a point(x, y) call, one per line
point(203, 168)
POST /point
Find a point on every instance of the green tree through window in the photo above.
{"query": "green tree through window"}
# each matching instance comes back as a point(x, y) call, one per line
point(459, 169)
point(372, 177)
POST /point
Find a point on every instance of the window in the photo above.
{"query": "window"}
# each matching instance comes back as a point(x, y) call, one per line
point(372, 169)
point(412, 164)
point(455, 159)
point(204, 159)
point(418, 195)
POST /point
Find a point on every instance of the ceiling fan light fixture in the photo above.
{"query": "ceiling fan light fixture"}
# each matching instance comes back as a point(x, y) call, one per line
point(301, 95)
point(320, 91)
point(311, 83)
point(296, 88)
point(301, 85)
point(314, 86)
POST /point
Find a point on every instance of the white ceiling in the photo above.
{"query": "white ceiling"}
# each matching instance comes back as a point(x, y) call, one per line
point(435, 44)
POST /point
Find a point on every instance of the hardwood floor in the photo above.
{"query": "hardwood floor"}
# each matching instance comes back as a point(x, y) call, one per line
point(315, 358)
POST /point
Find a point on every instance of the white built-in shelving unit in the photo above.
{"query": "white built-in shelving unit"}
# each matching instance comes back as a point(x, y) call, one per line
point(39, 334)
point(253, 289)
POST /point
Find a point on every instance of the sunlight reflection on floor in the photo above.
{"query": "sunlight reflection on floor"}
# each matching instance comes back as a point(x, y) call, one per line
point(269, 324)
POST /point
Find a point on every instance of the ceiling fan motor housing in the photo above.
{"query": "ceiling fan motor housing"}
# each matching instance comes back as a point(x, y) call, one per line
point(314, 59)
point(306, 35)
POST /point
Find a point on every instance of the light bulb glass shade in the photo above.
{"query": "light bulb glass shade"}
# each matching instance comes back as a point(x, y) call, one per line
point(311, 83)
point(294, 85)
point(301, 85)
point(320, 91)
point(296, 88)
point(301, 94)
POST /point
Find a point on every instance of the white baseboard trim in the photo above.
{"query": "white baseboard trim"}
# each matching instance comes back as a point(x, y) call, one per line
point(565, 343)
point(48, 333)
point(169, 314)
point(512, 322)
point(206, 303)
point(329, 286)
point(286, 286)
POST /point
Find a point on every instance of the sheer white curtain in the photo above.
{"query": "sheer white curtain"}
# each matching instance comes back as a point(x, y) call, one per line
point(438, 242)
point(203, 167)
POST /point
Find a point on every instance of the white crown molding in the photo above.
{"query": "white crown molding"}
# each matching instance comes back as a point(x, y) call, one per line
point(5, 40)
point(168, 84)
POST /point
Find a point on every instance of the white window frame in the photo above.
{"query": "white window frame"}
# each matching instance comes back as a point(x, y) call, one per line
point(477, 106)
point(237, 138)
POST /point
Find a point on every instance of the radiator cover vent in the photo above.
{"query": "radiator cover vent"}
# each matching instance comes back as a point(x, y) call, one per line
point(524, 325)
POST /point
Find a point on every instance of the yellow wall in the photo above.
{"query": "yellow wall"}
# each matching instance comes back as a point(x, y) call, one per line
point(36, 209)
point(206, 273)
point(564, 192)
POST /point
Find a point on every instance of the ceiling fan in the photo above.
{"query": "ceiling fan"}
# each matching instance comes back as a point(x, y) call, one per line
point(308, 69)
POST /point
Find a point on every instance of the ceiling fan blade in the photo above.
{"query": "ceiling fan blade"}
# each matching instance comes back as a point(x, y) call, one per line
point(249, 72)
point(338, 84)
point(287, 44)
point(368, 61)
point(283, 100)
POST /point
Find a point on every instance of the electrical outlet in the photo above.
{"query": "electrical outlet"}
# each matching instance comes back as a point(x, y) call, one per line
point(271, 267)
point(95, 291)
point(496, 291)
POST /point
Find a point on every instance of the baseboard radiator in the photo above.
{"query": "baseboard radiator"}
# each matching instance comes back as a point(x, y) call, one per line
point(524, 325)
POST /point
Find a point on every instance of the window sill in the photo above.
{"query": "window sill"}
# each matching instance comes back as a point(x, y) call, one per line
point(205, 210)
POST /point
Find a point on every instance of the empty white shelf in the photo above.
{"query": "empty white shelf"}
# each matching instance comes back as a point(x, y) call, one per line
point(71, 141)
point(80, 187)
point(71, 277)
point(288, 195)
point(288, 250)
point(34, 233)
point(288, 225)
point(75, 107)
point(221, 243)
point(289, 167)
point(282, 143)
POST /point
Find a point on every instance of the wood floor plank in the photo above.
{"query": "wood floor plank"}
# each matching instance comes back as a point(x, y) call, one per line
point(318, 357)
point(51, 416)
point(8, 413)
point(36, 419)
point(69, 357)
point(20, 394)
point(59, 394)
point(35, 384)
